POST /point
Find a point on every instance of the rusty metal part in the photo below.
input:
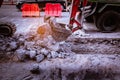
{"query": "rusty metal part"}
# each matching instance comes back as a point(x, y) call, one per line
point(44, 30)
point(56, 30)
point(59, 32)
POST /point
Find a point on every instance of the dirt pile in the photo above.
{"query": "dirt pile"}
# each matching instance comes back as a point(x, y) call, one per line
point(33, 46)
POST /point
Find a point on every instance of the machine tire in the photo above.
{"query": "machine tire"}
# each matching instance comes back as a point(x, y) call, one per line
point(7, 28)
point(89, 19)
point(108, 21)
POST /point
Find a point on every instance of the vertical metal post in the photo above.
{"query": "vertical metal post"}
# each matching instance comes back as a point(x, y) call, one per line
point(74, 10)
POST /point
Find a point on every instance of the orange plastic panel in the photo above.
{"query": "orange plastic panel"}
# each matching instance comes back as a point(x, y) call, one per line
point(53, 9)
point(30, 10)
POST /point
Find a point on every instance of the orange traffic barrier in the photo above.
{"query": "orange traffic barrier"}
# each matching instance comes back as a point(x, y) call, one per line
point(26, 10)
point(35, 11)
point(30, 10)
point(53, 9)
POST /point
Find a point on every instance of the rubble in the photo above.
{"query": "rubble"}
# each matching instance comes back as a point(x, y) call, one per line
point(38, 47)
point(54, 54)
point(33, 46)
point(3, 48)
point(13, 45)
point(32, 54)
point(49, 56)
point(20, 53)
point(54, 47)
point(44, 51)
point(40, 58)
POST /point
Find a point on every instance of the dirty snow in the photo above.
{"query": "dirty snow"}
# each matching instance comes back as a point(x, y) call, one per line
point(94, 57)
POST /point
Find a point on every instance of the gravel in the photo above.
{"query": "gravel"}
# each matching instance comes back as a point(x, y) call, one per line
point(32, 54)
point(20, 53)
point(44, 51)
point(54, 54)
point(13, 45)
point(40, 58)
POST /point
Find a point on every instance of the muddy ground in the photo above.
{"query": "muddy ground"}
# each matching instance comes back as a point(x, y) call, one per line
point(26, 56)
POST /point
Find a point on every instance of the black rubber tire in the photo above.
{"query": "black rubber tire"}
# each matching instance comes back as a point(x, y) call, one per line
point(108, 21)
point(7, 28)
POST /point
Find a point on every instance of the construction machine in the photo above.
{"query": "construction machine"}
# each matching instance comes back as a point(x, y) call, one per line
point(105, 14)
point(59, 32)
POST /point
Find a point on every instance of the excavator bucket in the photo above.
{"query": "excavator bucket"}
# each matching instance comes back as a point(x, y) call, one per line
point(57, 30)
